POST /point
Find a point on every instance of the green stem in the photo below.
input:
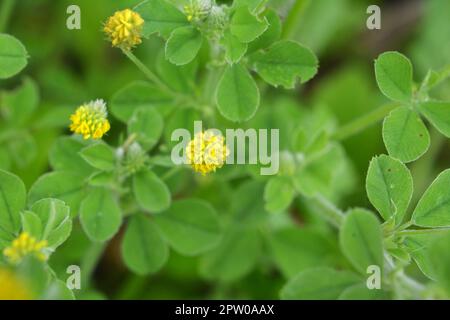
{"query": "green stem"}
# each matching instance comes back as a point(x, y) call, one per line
point(148, 73)
point(5, 12)
point(327, 210)
point(412, 232)
point(156, 80)
point(90, 261)
point(294, 17)
point(364, 122)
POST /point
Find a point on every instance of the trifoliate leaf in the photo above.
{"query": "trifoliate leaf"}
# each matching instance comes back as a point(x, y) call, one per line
point(13, 56)
point(160, 17)
point(100, 156)
point(183, 45)
point(190, 226)
point(405, 135)
point(100, 215)
point(394, 74)
point(389, 187)
point(245, 26)
point(283, 62)
point(237, 95)
point(234, 49)
point(12, 201)
point(433, 209)
point(56, 222)
point(150, 191)
point(143, 249)
point(438, 113)
point(361, 240)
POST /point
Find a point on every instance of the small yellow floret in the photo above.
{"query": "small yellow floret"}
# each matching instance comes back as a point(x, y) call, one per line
point(13, 288)
point(207, 152)
point(90, 120)
point(23, 246)
point(124, 29)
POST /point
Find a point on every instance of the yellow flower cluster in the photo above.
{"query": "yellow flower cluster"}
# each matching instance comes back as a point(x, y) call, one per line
point(90, 120)
point(11, 287)
point(23, 246)
point(124, 29)
point(207, 152)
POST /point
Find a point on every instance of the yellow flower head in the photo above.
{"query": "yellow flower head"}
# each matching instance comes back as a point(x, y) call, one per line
point(12, 287)
point(207, 152)
point(90, 120)
point(124, 29)
point(23, 246)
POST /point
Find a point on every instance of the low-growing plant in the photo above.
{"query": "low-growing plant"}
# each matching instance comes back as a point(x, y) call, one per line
point(230, 65)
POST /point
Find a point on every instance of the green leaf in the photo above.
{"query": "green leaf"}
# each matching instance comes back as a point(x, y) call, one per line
point(160, 17)
point(440, 259)
point(297, 249)
point(438, 113)
point(393, 72)
point(64, 156)
point(237, 95)
point(31, 223)
point(318, 284)
point(236, 255)
point(100, 215)
point(361, 240)
point(20, 103)
point(12, 201)
point(272, 34)
point(245, 26)
point(100, 156)
point(136, 95)
point(190, 226)
point(433, 209)
point(418, 246)
point(148, 126)
point(143, 249)
point(183, 45)
point(66, 186)
point(13, 56)
point(389, 187)
point(278, 194)
point(405, 135)
point(56, 222)
point(151, 192)
point(361, 292)
point(283, 62)
point(234, 49)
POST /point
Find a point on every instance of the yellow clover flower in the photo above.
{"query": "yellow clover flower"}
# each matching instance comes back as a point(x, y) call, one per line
point(206, 152)
point(90, 120)
point(23, 246)
point(12, 287)
point(124, 29)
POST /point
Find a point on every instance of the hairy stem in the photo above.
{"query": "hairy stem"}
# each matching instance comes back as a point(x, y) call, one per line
point(412, 232)
point(327, 210)
point(364, 122)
